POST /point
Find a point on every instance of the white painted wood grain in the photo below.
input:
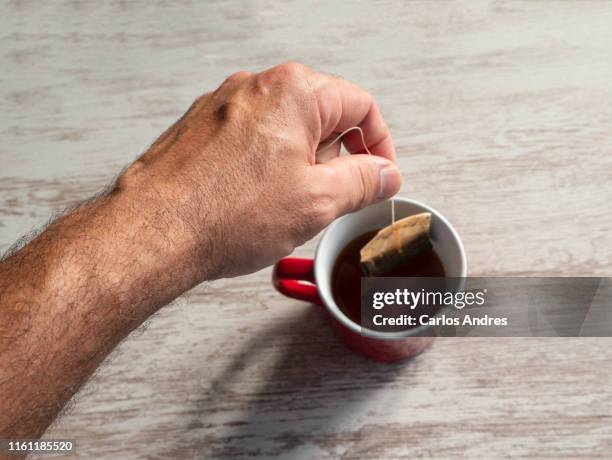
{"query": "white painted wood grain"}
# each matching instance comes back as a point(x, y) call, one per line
point(502, 117)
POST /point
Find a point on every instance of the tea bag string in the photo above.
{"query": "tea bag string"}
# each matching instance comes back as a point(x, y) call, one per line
point(365, 146)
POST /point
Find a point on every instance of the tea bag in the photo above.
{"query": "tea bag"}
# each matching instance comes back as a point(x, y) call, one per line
point(396, 243)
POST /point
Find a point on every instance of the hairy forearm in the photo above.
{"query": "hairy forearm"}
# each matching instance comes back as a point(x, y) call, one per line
point(231, 187)
point(73, 293)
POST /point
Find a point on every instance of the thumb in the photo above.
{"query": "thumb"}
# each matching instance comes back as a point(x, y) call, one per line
point(355, 181)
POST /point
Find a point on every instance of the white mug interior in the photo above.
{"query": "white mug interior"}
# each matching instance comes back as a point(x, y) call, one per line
point(342, 231)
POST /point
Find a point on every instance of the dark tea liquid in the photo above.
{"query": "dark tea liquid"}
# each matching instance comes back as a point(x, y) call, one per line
point(346, 276)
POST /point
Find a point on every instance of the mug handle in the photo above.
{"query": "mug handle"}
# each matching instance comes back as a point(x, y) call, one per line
point(294, 277)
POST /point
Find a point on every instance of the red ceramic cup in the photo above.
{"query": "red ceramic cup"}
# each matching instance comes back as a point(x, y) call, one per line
point(310, 280)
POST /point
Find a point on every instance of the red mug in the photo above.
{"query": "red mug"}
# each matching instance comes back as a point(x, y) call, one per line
point(310, 279)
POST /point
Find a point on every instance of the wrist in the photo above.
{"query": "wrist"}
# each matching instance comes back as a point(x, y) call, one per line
point(171, 245)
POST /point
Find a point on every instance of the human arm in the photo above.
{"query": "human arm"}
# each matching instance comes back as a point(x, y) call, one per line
point(228, 189)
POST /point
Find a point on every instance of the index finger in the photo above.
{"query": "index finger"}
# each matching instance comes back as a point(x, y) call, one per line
point(343, 105)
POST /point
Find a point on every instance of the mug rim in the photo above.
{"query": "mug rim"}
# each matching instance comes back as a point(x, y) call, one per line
point(327, 297)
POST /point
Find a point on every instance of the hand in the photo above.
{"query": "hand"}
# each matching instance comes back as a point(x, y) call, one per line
point(236, 183)
point(231, 187)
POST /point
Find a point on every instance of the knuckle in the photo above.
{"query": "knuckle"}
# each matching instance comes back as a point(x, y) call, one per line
point(236, 77)
point(362, 190)
point(364, 94)
point(291, 68)
point(231, 83)
point(283, 74)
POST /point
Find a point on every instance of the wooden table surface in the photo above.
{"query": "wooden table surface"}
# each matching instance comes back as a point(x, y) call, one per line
point(502, 117)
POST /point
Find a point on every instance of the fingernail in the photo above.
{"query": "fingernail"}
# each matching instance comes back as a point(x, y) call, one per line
point(390, 180)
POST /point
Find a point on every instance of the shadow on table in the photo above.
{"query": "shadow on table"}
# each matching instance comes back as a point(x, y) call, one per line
point(314, 386)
